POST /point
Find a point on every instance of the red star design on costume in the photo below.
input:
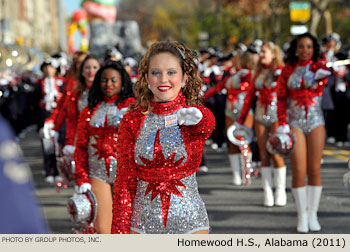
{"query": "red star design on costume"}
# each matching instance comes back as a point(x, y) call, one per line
point(106, 147)
point(266, 97)
point(163, 186)
point(305, 99)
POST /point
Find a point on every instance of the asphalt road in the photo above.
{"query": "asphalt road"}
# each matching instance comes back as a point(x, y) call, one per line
point(232, 209)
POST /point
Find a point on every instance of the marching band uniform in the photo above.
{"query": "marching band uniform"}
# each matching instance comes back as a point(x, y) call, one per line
point(265, 87)
point(95, 154)
point(237, 86)
point(51, 93)
point(165, 158)
point(302, 83)
point(73, 105)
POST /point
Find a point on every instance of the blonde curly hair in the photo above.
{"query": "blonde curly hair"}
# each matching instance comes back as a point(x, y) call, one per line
point(186, 58)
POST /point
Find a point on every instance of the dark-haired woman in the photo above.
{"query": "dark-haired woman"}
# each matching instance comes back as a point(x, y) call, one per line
point(300, 88)
point(95, 155)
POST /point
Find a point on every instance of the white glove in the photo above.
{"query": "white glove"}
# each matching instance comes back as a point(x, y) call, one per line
point(277, 72)
point(54, 133)
point(123, 111)
point(242, 72)
point(83, 188)
point(68, 150)
point(340, 87)
point(283, 129)
point(189, 116)
point(321, 73)
point(46, 130)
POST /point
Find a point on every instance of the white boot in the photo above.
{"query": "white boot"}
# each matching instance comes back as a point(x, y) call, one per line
point(266, 179)
point(301, 203)
point(313, 201)
point(279, 177)
point(235, 163)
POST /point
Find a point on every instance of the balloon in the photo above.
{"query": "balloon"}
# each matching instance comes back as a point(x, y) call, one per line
point(105, 12)
point(79, 15)
point(102, 2)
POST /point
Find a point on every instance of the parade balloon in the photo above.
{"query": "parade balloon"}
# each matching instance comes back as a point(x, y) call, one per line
point(103, 2)
point(79, 15)
point(105, 12)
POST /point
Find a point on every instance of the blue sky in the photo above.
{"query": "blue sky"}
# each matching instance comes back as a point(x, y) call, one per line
point(71, 6)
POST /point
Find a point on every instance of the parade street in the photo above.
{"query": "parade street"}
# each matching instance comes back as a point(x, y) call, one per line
point(232, 209)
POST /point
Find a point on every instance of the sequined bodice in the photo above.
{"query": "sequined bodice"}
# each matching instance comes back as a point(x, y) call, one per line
point(302, 74)
point(265, 80)
point(233, 82)
point(107, 114)
point(170, 138)
point(83, 100)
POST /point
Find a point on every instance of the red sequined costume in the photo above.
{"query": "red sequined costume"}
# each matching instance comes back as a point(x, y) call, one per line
point(51, 90)
point(265, 87)
point(155, 190)
point(95, 154)
point(59, 113)
point(297, 84)
point(236, 86)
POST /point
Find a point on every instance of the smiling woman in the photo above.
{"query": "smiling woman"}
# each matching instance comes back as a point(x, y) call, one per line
point(96, 145)
point(160, 146)
point(300, 88)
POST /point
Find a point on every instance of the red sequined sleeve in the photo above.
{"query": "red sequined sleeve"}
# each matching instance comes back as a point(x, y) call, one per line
point(72, 119)
point(57, 111)
point(81, 148)
point(213, 91)
point(247, 101)
point(282, 94)
point(125, 103)
point(126, 180)
point(60, 117)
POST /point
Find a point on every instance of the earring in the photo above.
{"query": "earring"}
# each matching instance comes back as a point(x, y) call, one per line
point(183, 84)
point(149, 86)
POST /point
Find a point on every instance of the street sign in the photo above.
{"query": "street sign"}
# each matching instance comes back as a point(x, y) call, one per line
point(299, 11)
point(298, 29)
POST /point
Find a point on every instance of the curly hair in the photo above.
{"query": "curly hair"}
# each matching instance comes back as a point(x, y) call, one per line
point(291, 52)
point(188, 65)
point(80, 87)
point(95, 92)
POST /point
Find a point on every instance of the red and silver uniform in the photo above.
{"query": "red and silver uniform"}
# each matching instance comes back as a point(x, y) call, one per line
point(95, 154)
point(59, 113)
point(155, 190)
point(51, 91)
point(300, 95)
point(265, 87)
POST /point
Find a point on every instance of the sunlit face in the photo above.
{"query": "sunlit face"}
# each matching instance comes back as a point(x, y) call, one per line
point(305, 49)
point(165, 76)
point(266, 55)
point(111, 82)
point(90, 69)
